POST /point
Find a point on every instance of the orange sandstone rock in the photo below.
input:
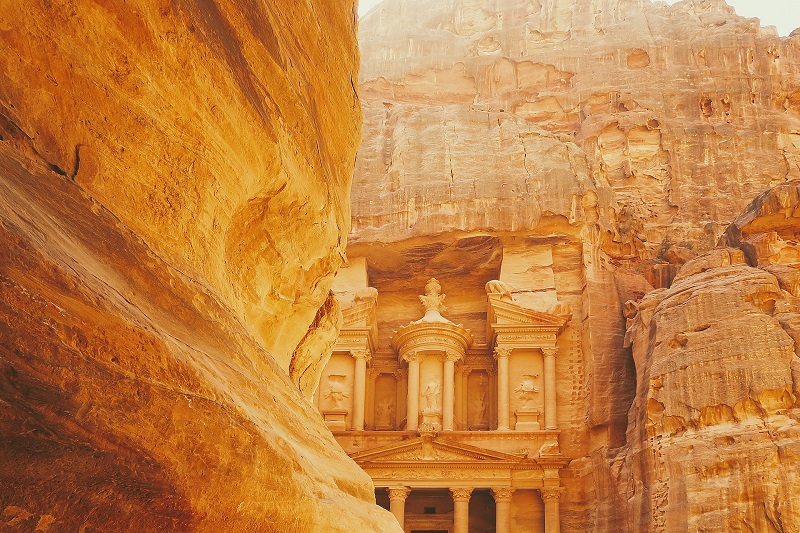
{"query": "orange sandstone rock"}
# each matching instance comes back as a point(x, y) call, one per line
point(174, 202)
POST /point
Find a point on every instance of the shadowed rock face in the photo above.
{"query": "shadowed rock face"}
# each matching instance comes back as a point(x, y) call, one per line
point(174, 200)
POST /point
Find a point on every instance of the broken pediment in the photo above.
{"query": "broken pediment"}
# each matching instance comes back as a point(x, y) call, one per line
point(504, 317)
point(430, 449)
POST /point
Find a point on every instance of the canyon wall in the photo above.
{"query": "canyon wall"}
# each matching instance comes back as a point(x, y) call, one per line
point(592, 151)
point(174, 202)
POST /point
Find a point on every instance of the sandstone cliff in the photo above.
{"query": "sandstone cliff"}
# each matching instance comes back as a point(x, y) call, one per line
point(174, 201)
point(587, 150)
point(714, 432)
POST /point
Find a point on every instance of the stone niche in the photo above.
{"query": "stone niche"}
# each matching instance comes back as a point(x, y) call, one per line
point(478, 401)
point(526, 371)
point(336, 392)
point(385, 402)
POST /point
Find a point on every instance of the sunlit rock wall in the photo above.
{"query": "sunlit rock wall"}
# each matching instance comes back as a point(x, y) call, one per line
point(621, 138)
point(174, 201)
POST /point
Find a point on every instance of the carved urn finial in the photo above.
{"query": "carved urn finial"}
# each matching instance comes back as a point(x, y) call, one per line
point(433, 301)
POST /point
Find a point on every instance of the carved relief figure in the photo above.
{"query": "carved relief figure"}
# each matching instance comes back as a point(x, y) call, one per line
point(527, 391)
point(431, 395)
point(336, 392)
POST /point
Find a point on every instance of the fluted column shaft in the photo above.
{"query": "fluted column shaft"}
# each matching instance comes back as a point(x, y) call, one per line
point(552, 518)
point(461, 509)
point(397, 503)
point(359, 388)
point(502, 355)
point(448, 392)
point(502, 504)
point(412, 411)
point(550, 417)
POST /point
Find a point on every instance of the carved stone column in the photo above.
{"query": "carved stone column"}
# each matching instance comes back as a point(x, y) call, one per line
point(460, 394)
point(552, 519)
point(492, 403)
point(502, 503)
point(461, 509)
point(397, 503)
point(502, 355)
point(412, 409)
point(448, 391)
point(550, 417)
point(401, 403)
point(359, 388)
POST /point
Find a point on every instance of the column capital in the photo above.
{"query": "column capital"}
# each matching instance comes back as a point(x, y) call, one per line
point(408, 357)
point(461, 494)
point(361, 354)
point(550, 351)
point(453, 356)
point(398, 493)
point(502, 494)
point(501, 351)
point(551, 493)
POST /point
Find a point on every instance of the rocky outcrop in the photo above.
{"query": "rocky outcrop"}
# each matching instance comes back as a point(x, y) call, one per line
point(173, 204)
point(714, 432)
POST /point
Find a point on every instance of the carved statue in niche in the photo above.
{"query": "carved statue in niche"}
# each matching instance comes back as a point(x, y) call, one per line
point(384, 413)
point(336, 391)
point(433, 299)
point(527, 391)
point(431, 395)
point(478, 405)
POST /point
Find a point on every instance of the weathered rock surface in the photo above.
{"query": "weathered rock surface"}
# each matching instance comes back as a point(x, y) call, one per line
point(593, 151)
point(173, 204)
point(714, 431)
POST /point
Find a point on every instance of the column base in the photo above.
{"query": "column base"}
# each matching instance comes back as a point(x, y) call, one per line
point(335, 419)
point(431, 421)
point(527, 420)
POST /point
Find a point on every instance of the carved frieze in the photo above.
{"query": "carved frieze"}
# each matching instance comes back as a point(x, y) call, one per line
point(436, 474)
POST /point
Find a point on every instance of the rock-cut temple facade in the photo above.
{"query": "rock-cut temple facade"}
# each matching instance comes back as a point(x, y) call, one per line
point(457, 433)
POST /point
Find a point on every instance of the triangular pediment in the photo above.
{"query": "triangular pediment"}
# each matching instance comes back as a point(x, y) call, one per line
point(360, 314)
point(424, 449)
point(510, 313)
